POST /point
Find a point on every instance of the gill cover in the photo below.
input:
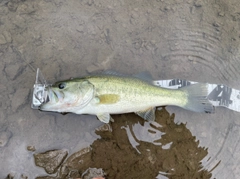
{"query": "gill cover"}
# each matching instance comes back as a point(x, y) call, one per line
point(69, 96)
point(87, 89)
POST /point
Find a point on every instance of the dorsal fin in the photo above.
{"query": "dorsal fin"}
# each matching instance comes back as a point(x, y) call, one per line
point(145, 76)
point(114, 73)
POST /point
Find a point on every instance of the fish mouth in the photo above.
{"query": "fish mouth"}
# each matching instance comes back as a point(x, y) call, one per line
point(55, 96)
point(51, 96)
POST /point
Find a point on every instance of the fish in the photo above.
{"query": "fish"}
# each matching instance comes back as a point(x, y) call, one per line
point(106, 94)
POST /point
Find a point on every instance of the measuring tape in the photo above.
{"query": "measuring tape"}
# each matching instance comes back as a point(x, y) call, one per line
point(218, 95)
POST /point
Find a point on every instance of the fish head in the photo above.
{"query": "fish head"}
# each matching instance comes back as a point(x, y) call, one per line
point(68, 96)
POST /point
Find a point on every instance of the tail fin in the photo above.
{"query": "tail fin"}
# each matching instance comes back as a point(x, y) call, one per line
point(197, 98)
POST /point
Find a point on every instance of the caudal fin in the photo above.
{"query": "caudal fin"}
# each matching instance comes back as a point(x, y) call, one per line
point(197, 98)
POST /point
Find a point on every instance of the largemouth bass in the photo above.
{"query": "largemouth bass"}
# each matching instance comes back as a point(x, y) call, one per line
point(102, 95)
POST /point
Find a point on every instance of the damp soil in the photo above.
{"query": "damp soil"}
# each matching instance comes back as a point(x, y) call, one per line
point(176, 154)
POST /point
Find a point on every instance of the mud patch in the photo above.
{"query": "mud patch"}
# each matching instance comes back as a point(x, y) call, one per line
point(50, 160)
point(176, 154)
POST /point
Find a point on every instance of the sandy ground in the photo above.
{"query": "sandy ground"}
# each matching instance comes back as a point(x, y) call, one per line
point(197, 40)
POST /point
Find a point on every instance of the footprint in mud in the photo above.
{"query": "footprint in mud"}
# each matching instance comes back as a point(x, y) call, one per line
point(176, 154)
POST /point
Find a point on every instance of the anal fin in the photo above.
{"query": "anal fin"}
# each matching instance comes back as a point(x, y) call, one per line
point(148, 114)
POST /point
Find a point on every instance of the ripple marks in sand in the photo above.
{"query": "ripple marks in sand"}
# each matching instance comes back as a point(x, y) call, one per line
point(207, 46)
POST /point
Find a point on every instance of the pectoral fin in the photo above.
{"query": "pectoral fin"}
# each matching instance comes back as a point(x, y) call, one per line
point(105, 117)
point(148, 114)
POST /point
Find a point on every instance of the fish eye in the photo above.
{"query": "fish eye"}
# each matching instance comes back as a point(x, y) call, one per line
point(62, 85)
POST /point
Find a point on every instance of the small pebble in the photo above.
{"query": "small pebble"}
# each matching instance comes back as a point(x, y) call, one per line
point(10, 176)
point(221, 14)
point(31, 148)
